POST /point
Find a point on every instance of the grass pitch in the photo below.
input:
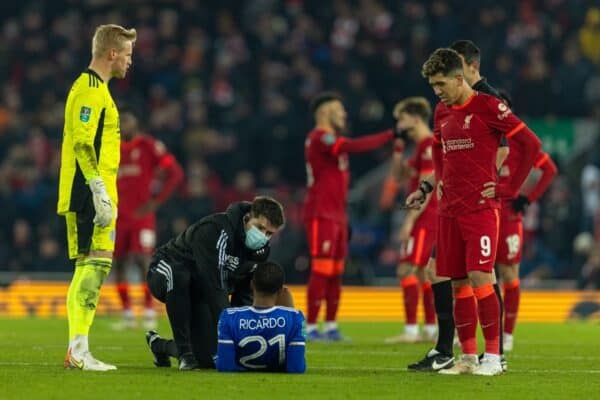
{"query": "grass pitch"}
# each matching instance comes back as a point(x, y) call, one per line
point(550, 361)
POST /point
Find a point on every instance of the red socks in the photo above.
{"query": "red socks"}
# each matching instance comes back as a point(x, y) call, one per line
point(428, 303)
point(465, 318)
point(323, 288)
point(410, 288)
point(317, 285)
point(332, 297)
point(147, 296)
point(489, 317)
point(512, 295)
point(123, 290)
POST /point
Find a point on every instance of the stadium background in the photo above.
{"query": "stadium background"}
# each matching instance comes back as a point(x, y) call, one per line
point(226, 85)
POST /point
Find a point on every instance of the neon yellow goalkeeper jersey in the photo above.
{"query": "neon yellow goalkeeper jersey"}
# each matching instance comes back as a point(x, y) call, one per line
point(91, 142)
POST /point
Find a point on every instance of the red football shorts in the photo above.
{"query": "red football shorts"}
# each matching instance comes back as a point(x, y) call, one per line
point(467, 243)
point(422, 239)
point(510, 238)
point(135, 236)
point(327, 241)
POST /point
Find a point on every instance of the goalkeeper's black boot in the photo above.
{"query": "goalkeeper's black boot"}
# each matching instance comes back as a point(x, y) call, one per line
point(187, 362)
point(160, 359)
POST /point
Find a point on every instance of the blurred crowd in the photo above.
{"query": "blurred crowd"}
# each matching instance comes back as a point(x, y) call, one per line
point(226, 85)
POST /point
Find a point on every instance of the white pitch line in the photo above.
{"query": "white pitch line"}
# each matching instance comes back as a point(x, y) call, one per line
point(331, 368)
point(61, 346)
point(511, 370)
point(510, 356)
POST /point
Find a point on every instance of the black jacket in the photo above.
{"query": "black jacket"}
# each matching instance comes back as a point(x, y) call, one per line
point(214, 247)
point(483, 86)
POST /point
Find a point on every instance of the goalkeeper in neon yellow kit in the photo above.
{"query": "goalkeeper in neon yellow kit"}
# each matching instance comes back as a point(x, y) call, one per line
point(87, 188)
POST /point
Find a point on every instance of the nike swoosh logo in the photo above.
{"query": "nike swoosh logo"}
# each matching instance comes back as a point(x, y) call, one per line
point(78, 364)
point(435, 366)
point(443, 124)
point(487, 326)
point(463, 325)
point(484, 261)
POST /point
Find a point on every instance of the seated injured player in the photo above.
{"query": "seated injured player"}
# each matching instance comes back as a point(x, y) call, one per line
point(264, 336)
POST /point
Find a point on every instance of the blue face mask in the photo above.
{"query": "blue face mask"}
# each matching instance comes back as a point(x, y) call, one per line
point(255, 239)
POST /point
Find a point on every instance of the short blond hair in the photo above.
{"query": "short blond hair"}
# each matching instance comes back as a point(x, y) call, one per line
point(418, 106)
point(111, 36)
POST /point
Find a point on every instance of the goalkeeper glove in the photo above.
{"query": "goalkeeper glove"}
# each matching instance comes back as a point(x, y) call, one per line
point(102, 204)
point(520, 203)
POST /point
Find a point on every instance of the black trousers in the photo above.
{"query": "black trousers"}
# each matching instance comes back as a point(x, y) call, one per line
point(194, 303)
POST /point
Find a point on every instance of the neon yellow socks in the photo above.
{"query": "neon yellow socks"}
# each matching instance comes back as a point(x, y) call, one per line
point(84, 292)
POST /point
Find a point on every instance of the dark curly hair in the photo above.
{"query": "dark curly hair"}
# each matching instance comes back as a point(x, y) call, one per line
point(442, 61)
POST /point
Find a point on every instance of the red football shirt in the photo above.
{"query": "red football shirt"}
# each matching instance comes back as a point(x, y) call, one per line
point(542, 162)
point(327, 177)
point(469, 135)
point(140, 158)
point(421, 163)
point(326, 156)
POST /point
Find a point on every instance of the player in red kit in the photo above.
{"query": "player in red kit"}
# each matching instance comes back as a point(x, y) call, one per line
point(325, 218)
point(510, 240)
point(143, 159)
point(418, 231)
point(468, 126)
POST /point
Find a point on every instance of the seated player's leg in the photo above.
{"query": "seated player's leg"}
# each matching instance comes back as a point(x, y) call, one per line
point(509, 257)
point(92, 248)
point(320, 237)
point(480, 231)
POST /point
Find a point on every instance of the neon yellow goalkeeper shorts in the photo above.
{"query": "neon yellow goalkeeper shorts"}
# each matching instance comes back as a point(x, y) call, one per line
point(83, 236)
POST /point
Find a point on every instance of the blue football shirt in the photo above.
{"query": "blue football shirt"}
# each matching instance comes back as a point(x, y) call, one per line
point(261, 339)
